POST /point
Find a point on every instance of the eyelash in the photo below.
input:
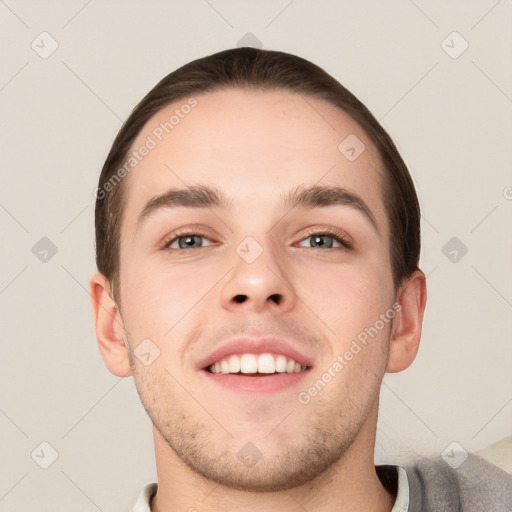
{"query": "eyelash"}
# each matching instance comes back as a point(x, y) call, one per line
point(333, 233)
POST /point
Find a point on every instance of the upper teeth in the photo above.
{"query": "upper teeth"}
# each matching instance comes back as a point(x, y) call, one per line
point(256, 363)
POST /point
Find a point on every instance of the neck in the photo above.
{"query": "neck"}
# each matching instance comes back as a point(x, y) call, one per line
point(349, 484)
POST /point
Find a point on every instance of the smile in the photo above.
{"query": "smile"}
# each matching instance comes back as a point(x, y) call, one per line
point(266, 363)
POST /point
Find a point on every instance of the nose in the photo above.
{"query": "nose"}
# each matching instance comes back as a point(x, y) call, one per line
point(259, 285)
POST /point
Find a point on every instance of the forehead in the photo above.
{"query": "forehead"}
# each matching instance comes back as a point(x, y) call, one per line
point(255, 146)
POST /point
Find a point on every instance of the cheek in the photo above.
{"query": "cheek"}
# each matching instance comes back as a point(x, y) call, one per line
point(349, 295)
point(349, 302)
point(350, 305)
point(159, 301)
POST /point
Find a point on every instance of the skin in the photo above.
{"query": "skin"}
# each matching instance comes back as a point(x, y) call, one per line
point(256, 146)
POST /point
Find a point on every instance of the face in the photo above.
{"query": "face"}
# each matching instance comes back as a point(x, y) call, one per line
point(301, 283)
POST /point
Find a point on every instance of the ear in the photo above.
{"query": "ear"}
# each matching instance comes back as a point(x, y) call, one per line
point(406, 330)
point(109, 326)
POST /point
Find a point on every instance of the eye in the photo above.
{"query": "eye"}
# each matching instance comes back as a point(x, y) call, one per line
point(186, 241)
point(327, 239)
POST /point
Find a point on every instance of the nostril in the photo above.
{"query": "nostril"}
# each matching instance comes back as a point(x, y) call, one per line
point(276, 298)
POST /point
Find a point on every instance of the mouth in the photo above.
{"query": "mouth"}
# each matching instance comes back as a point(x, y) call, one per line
point(256, 373)
point(256, 365)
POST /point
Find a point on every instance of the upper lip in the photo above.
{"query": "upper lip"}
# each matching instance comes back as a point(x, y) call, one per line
point(247, 345)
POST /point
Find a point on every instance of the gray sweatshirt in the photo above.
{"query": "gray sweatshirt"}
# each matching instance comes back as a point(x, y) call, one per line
point(475, 486)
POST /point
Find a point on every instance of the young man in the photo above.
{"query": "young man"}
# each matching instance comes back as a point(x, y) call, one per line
point(257, 238)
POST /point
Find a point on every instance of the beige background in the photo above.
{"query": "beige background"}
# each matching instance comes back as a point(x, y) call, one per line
point(451, 119)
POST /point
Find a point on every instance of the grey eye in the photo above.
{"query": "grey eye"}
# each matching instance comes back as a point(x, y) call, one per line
point(321, 240)
point(187, 242)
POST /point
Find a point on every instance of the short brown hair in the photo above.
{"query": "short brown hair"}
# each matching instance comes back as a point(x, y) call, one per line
point(250, 68)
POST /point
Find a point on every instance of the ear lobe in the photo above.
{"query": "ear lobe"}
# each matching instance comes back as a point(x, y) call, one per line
point(109, 327)
point(406, 331)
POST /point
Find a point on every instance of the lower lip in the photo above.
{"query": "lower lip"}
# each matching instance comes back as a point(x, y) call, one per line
point(264, 383)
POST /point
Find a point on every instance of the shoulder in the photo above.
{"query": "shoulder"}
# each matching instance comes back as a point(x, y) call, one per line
point(472, 486)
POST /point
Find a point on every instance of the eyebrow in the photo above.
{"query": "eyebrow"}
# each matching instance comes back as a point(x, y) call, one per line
point(306, 197)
